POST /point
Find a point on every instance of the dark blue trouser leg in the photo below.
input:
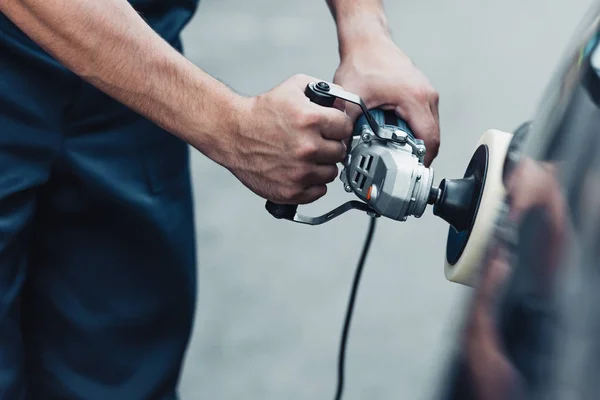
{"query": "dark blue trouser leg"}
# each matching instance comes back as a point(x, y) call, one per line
point(29, 142)
point(97, 257)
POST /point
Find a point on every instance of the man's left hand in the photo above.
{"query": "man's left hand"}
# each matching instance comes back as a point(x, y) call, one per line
point(383, 76)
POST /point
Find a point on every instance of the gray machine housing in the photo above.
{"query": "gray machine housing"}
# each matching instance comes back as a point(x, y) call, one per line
point(393, 181)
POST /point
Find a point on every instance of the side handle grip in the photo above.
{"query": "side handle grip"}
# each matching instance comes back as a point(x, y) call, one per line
point(281, 211)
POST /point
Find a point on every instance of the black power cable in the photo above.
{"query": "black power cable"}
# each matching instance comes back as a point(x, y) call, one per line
point(350, 309)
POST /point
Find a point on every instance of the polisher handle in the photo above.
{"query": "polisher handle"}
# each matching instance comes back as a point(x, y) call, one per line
point(288, 211)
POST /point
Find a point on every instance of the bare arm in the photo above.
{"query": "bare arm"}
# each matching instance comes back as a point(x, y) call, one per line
point(358, 22)
point(108, 44)
point(279, 145)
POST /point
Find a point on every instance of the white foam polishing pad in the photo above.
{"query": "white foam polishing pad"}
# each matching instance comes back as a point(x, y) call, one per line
point(466, 249)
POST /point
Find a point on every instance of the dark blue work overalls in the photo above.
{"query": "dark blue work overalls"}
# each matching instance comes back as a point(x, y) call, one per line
point(97, 248)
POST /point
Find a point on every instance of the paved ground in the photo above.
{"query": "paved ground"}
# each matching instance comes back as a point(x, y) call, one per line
point(272, 294)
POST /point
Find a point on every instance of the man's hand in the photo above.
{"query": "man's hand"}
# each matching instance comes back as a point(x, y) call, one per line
point(385, 77)
point(373, 67)
point(287, 147)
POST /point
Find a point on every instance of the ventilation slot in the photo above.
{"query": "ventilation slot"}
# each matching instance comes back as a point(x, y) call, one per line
point(369, 162)
point(361, 182)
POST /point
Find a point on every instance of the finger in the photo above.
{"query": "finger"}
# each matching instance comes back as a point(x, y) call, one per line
point(432, 144)
point(347, 142)
point(331, 151)
point(424, 126)
point(334, 124)
point(434, 106)
point(322, 175)
point(434, 103)
point(312, 194)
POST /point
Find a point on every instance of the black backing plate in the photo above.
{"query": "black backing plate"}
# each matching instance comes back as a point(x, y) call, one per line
point(478, 168)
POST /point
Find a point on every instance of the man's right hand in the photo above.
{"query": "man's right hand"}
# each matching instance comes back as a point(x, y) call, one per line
point(287, 147)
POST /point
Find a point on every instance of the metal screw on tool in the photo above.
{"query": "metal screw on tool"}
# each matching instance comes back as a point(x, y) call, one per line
point(421, 152)
point(366, 137)
point(323, 86)
point(400, 136)
point(348, 189)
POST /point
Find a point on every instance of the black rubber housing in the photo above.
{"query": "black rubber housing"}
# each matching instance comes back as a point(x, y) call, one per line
point(318, 97)
point(279, 211)
point(459, 203)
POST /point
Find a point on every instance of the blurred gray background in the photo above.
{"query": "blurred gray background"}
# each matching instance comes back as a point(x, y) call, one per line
point(272, 294)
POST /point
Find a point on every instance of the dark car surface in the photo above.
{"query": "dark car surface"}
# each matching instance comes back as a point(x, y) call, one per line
point(532, 329)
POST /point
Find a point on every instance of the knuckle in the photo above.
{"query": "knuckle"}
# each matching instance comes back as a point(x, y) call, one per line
point(299, 174)
point(291, 193)
point(307, 150)
point(421, 94)
point(306, 118)
point(312, 118)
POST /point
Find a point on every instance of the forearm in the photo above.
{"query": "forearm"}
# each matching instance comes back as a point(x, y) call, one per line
point(108, 44)
point(358, 22)
point(376, 69)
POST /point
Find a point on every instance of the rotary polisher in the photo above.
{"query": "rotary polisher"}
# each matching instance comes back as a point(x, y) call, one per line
point(384, 169)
